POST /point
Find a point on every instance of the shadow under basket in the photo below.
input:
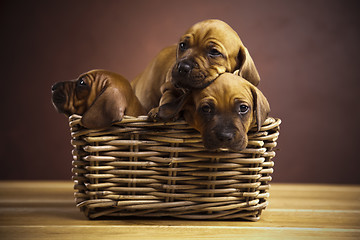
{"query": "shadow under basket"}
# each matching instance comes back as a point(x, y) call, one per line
point(146, 169)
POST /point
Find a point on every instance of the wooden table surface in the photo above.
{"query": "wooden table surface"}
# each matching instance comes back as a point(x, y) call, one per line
point(46, 210)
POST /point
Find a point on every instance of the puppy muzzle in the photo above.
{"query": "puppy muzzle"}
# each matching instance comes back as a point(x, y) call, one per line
point(225, 136)
point(228, 138)
point(59, 97)
point(184, 69)
point(186, 74)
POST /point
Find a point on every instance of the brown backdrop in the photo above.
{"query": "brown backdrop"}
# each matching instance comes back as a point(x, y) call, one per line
point(307, 53)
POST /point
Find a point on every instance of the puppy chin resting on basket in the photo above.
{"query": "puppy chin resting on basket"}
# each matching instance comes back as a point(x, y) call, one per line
point(224, 111)
point(100, 96)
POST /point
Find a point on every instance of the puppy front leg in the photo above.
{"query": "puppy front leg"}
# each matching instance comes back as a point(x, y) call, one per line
point(171, 102)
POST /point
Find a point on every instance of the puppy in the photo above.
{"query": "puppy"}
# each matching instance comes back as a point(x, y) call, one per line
point(224, 111)
point(206, 50)
point(100, 96)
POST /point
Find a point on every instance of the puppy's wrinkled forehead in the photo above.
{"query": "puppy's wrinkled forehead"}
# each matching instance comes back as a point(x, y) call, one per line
point(225, 90)
point(96, 79)
point(213, 30)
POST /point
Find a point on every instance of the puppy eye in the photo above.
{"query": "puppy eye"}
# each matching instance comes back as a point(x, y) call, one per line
point(182, 46)
point(206, 108)
point(81, 82)
point(243, 109)
point(215, 53)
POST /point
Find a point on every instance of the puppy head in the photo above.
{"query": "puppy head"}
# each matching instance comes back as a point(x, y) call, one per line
point(208, 49)
point(98, 95)
point(224, 112)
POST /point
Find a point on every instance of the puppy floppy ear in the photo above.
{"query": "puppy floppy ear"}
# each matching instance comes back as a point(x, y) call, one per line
point(107, 108)
point(261, 107)
point(247, 67)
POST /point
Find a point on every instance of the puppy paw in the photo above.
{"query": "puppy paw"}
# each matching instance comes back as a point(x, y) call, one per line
point(162, 114)
point(153, 114)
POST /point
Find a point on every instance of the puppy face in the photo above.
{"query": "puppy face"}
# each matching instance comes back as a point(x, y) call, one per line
point(76, 96)
point(208, 49)
point(101, 97)
point(224, 112)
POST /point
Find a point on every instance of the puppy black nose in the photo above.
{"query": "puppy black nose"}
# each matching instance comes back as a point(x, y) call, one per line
point(184, 68)
point(56, 86)
point(58, 95)
point(225, 136)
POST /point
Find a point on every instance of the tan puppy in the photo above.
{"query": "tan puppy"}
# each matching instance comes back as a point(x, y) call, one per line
point(102, 97)
point(224, 111)
point(206, 50)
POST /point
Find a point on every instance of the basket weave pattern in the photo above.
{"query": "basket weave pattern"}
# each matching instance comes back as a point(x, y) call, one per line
point(141, 168)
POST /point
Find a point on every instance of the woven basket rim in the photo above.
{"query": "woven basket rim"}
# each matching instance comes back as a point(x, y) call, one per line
point(75, 119)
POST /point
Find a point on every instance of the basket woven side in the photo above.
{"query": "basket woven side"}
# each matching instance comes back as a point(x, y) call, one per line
point(140, 168)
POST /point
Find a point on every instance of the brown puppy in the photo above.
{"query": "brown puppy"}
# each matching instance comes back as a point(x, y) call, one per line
point(102, 97)
point(224, 111)
point(207, 49)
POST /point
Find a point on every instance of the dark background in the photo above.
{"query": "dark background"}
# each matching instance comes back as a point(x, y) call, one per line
point(307, 53)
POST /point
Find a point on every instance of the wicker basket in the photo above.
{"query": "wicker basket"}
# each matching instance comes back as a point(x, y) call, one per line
point(146, 169)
